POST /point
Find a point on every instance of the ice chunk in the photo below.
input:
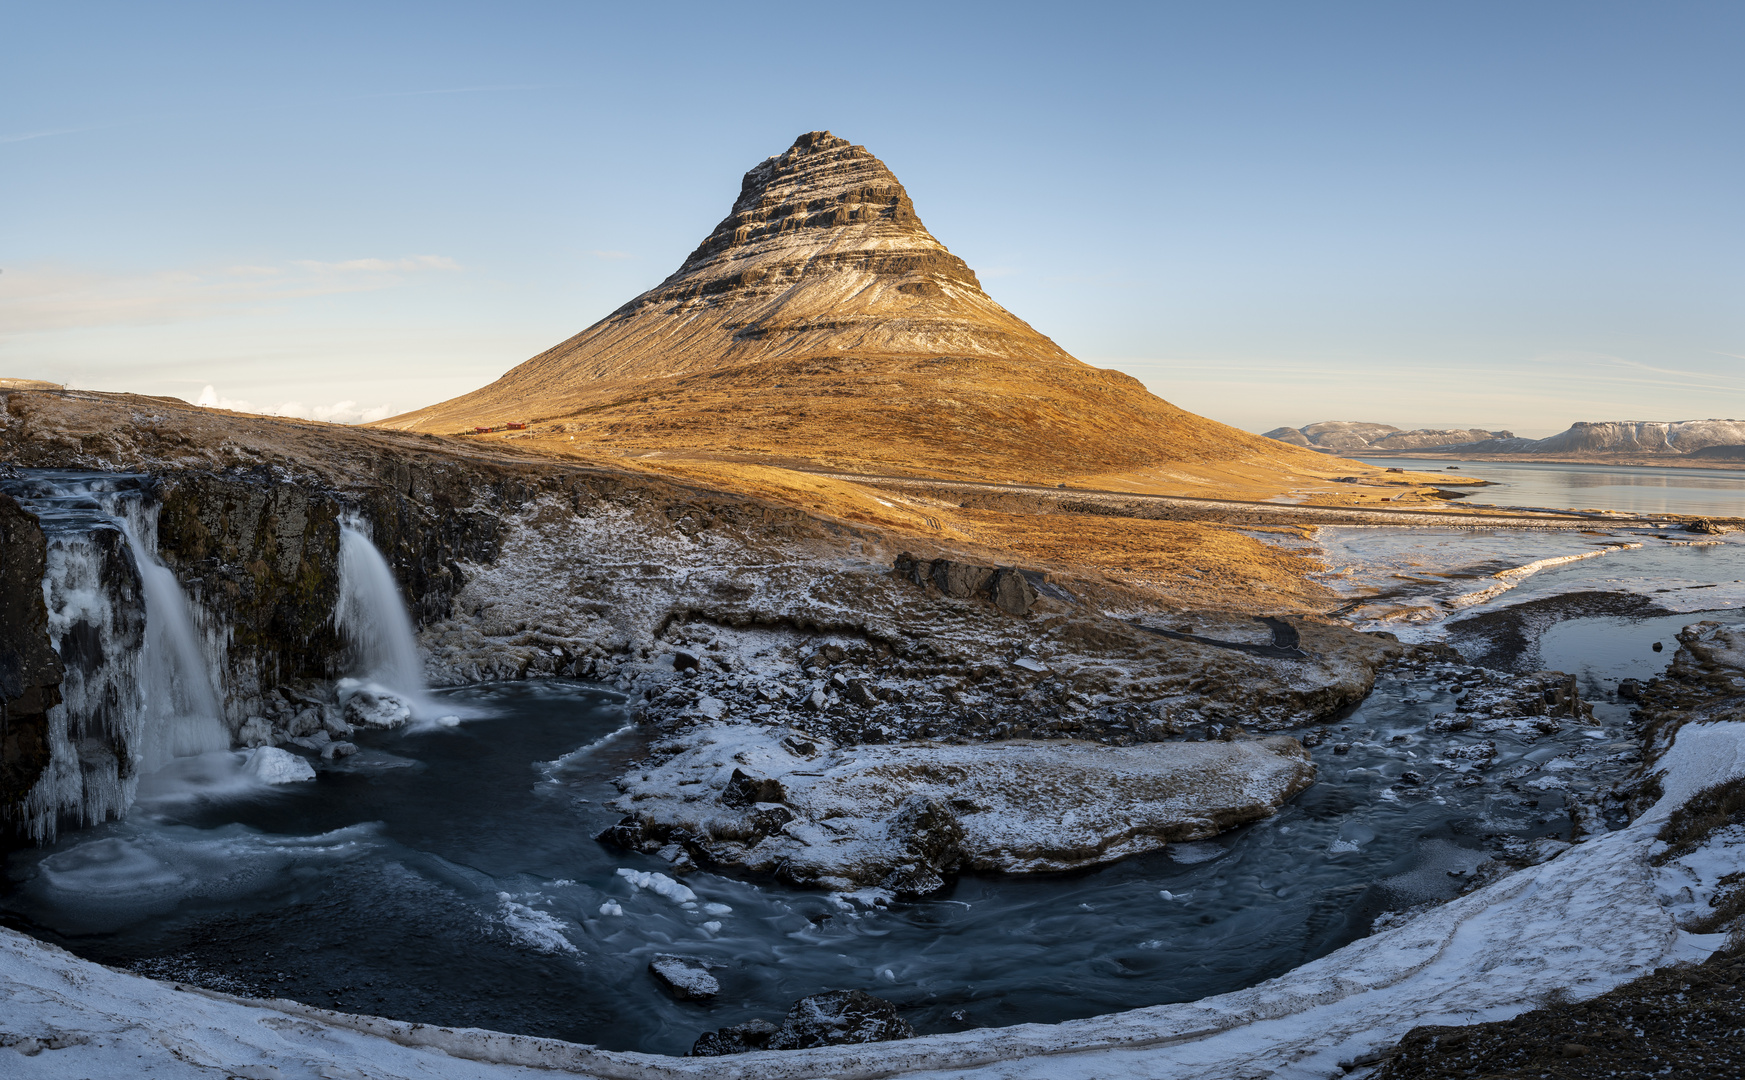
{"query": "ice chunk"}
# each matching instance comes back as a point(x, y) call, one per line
point(538, 930)
point(713, 926)
point(270, 765)
point(713, 708)
point(658, 883)
point(611, 907)
point(717, 909)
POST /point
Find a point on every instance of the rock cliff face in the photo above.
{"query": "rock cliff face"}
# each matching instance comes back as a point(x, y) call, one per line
point(821, 320)
point(30, 670)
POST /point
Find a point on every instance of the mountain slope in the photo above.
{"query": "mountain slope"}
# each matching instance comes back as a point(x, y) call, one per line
point(820, 322)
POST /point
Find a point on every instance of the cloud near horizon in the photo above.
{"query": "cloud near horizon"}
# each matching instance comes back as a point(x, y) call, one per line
point(47, 297)
point(342, 412)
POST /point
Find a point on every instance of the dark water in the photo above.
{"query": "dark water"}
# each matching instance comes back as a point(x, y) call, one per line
point(450, 876)
point(1644, 489)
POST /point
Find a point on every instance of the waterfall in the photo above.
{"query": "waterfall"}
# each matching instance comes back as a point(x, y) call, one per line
point(137, 690)
point(183, 716)
point(372, 616)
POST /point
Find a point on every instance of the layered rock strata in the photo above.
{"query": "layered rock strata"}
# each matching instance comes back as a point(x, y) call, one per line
point(821, 321)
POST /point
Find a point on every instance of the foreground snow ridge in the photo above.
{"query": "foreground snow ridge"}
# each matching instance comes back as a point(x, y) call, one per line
point(1588, 920)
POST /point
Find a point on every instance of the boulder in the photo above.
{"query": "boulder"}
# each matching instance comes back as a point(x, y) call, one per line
point(834, 1018)
point(904, 816)
point(684, 978)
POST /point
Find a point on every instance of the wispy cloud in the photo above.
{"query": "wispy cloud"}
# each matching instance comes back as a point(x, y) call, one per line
point(342, 412)
point(29, 135)
point(41, 298)
point(379, 266)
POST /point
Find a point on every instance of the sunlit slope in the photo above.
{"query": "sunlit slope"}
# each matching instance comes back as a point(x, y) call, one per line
point(821, 323)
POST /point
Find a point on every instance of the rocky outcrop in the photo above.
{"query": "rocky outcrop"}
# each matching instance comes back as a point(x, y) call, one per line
point(1704, 683)
point(1008, 588)
point(903, 817)
point(834, 1018)
point(30, 669)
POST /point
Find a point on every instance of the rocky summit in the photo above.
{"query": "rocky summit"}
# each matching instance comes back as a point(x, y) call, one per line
point(820, 320)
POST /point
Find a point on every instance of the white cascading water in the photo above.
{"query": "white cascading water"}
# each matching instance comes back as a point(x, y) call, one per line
point(182, 715)
point(372, 616)
point(139, 675)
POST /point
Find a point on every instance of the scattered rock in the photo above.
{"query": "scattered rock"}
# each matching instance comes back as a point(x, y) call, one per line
point(368, 708)
point(739, 1039)
point(684, 978)
point(255, 731)
point(835, 1018)
point(270, 765)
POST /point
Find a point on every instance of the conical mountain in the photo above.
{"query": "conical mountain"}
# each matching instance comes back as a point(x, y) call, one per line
point(820, 320)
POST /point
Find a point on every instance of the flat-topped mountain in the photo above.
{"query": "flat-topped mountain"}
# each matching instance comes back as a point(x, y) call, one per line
point(820, 321)
point(1604, 437)
point(1335, 436)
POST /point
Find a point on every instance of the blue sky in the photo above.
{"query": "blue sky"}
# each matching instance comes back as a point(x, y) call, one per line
point(1508, 215)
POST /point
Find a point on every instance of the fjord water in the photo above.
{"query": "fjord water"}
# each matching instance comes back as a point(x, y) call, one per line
point(1635, 489)
point(450, 876)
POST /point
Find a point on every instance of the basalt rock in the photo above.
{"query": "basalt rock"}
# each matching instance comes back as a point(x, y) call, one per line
point(30, 670)
point(834, 1018)
point(1009, 589)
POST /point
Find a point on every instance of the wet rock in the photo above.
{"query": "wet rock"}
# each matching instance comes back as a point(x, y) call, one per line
point(271, 765)
point(684, 978)
point(1706, 527)
point(255, 731)
point(368, 708)
point(1629, 690)
point(30, 669)
point(835, 1018)
point(684, 661)
point(739, 1039)
point(336, 750)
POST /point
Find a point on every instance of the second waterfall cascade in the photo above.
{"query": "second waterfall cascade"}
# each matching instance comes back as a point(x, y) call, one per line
point(372, 616)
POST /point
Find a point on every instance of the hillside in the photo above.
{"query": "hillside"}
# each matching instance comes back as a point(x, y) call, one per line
point(820, 324)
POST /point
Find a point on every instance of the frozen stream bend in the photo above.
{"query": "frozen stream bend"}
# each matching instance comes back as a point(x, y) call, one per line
point(1594, 917)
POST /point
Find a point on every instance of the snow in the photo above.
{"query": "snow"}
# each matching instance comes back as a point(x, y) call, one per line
point(1594, 916)
point(658, 883)
point(270, 765)
point(538, 930)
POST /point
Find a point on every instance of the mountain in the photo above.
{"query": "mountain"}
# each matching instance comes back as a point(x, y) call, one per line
point(821, 322)
point(1621, 437)
point(1344, 436)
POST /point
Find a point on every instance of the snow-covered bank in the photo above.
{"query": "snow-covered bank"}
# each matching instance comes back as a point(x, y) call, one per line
point(1582, 923)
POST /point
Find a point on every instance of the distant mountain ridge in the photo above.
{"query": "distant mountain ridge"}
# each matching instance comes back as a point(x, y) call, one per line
point(1334, 436)
point(1675, 437)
